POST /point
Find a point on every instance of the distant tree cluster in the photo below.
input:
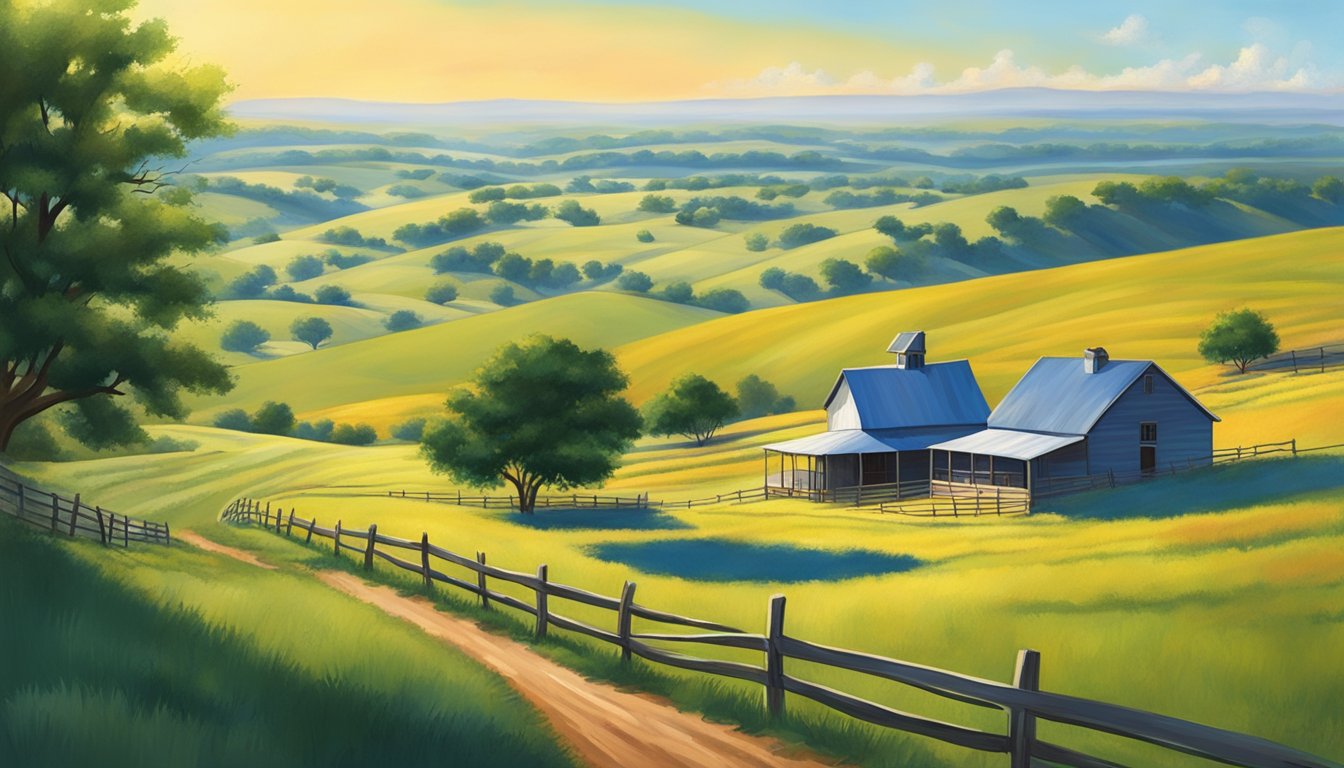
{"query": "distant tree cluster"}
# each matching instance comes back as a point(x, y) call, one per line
point(796, 286)
point(416, 174)
point(843, 199)
point(598, 272)
point(324, 185)
point(480, 258)
point(302, 202)
point(804, 233)
point(449, 226)
point(338, 260)
point(576, 214)
point(600, 186)
point(513, 192)
point(708, 211)
point(701, 183)
point(991, 183)
point(350, 236)
point(305, 268)
point(408, 191)
point(782, 190)
point(697, 408)
point(922, 242)
point(272, 418)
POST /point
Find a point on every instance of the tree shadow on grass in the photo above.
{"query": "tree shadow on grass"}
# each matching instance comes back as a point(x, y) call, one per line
point(597, 519)
point(727, 560)
point(1214, 489)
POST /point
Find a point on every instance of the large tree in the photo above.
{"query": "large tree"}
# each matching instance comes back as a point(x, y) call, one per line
point(91, 119)
point(1238, 338)
point(692, 407)
point(540, 413)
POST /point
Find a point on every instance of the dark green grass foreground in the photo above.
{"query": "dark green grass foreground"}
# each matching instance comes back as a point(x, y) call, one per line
point(93, 673)
point(726, 560)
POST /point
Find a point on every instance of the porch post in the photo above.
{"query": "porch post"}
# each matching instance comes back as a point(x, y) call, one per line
point(765, 475)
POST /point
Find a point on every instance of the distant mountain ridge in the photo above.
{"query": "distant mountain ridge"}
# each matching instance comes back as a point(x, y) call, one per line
point(1014, 102)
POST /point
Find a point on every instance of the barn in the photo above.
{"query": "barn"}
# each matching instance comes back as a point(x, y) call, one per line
point(880, 422)
point(1070, 418)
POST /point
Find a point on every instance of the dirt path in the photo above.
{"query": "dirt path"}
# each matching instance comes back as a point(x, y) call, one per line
point(197, 540)
point(606, 727)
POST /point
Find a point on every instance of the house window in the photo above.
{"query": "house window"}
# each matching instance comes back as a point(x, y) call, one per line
point(983, 476)
point(1148, 384)
point(940, 465)
point(1148, 432)
point(961, 467)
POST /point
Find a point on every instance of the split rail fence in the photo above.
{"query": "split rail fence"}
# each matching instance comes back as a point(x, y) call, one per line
point(1313, 359)
point(72, 517)
point(577, 500)
point(1021, 701)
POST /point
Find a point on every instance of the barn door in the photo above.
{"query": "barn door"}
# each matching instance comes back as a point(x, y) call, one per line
point(1148, 459)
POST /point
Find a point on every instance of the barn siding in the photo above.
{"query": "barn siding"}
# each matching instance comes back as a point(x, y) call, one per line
point(1183, 431)
point(842, 412)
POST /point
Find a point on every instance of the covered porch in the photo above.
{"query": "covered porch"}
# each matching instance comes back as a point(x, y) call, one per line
point(851, 465)
point(1002, 460)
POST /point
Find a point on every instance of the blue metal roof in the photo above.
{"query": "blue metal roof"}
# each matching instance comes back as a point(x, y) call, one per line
point(1008, 443)
point(1057, 396)
point(938, 394)
point(844, 441)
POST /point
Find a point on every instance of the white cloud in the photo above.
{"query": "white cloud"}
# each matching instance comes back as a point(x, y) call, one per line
point(1255, 68)
point(1132, 30)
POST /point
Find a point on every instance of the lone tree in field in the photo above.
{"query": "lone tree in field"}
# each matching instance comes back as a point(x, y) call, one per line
point(90, 119)
point(311, 330)
point(540, 413)
point(693, 407)
point(244, 336)
point(1238, 338)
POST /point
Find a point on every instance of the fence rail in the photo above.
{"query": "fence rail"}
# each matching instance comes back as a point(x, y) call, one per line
point(1021, 701)
point(72, 517)
point(576, 500)
point(1317, 359)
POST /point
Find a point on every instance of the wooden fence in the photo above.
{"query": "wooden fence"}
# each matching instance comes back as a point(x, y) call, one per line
point(577, 500)
point(963, 500)
point(1022, 701)
point(1310, 360)
point(72, 517)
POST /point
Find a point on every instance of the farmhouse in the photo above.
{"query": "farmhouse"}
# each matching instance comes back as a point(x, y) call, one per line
point(919, 429)
point(1071, 418)
point(880, 423)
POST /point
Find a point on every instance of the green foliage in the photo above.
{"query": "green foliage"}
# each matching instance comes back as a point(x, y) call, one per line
point(235, 419)
point(1329, 188)
point(657, 204)
point(540, 413)
point(756, 242)
point(732, 208)
point(486, 195)
point(310, 330)
point(844, 199)
point(304, 268)
point(449, 226)
point(350, 236)
point(269, 237)
point(90, 108)
point(402, 320)
point(525, 192)
point(644, 236)
point(844, 276)
point(333, 294)
point(503, 214)
point(893, 264)
point(772, 278)
point(1064, 211)
point(634, 280)
point(286, 293)
point(354, 434)
point(803, 233)
point(693, 407)
point(757, 397)
point(679, 292)
point(441, 293)
point(244, 336)
point(596, 270)
point(458, 259)
point(728, 300)
point(503, 295)
point(800, 287)
point(990, 183)
point(922, 182)
point(1239, 338)
point(272, 418)
point(408, 191)
point(318, 431)
point(897, 230)
point(410, 430)
point(32, 441)
point(577, 215)
point(100, 423)
point(253, 283)
point(339, 260)
point(1119, 194)
point(416, 174)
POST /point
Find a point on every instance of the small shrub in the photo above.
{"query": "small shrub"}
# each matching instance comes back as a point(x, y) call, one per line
point(757, 242)
point(644, 236)
point(634, 280)
point(354, 434)
point(333, 294)
point(235, 419)
point(244, 336)
point(441, 293)
point(503, 296)
point(402, 320)
point(410, 430)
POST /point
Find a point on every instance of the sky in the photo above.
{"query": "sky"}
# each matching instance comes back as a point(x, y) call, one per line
point(430, 51)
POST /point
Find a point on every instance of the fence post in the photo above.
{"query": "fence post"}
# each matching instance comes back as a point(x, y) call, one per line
point(1294, 446)
point(543, 614)
point(55, 510)
point(167, 536)
point(1022, 724)
point(368, 550)
point(424, 561)
point(480, 581)
point(74, 514)
point(289, 524)
point(125, 531)
point(623, 619)
point(1294, 354)
point(266, 516)
point(774, 659)
point(1322, 359)
point(311, 524)
point(336, 547)
point(102, 531)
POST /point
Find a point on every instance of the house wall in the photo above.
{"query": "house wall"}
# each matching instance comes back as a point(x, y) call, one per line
point(1070, 461)
point(842, 412)
point(842, 471)
point(1184, 432)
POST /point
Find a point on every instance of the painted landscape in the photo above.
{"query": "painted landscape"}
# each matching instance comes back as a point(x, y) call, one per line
point(629, 383)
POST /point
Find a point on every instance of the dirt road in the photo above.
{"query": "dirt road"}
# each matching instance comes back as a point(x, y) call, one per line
point(200, 542)
point(606, 727)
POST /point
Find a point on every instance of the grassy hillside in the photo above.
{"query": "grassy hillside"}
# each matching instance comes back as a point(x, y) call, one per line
point(174, 657)
point(429, 360)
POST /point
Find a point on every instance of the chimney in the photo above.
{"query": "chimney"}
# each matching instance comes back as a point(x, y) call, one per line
point(908, 347)
point(1094, 359)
